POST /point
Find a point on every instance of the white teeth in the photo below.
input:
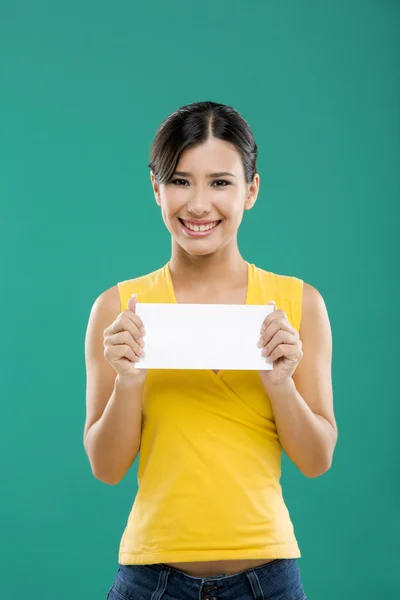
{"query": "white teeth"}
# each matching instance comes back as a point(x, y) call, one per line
point(193, 227)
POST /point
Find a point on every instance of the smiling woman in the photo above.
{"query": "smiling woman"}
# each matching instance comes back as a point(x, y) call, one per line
point(209, 513)
point(203, 169)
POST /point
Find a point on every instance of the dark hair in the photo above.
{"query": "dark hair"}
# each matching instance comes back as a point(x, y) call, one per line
point(192, 125)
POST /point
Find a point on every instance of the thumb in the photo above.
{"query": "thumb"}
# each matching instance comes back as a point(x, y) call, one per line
point(132, 303)
point(273, 302)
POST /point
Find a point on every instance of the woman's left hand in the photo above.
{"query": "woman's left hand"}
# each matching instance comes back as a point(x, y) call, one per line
point(281, 341)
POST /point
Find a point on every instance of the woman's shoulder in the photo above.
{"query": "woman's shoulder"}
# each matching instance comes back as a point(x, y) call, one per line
point(115, 298)
point(295, 295)
point(144, 278)
point(291, 282)
point(285, 282)
point(149, 287)
point(284, 288)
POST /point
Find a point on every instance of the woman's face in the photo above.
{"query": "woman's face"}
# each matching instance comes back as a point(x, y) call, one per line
point(202, 206)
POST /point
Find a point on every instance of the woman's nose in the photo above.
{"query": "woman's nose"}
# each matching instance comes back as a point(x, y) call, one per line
point(198, 211)
point(199, 207)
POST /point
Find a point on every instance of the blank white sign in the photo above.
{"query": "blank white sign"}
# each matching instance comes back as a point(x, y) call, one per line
point(202, 336)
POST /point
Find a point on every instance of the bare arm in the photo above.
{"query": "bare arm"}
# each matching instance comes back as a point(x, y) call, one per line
point(307, 437)
point(112, 443)
point(303, 407)
point(113, 401)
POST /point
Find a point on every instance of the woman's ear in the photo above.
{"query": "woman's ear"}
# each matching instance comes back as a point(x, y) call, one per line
point(156, 188)
point(252, 192)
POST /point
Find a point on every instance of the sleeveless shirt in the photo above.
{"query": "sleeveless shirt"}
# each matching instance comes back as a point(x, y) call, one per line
point(210, 457)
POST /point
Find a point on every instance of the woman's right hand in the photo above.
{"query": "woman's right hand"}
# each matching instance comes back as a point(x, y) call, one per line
point(123, 342)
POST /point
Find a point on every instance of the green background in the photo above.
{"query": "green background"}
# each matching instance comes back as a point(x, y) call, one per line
point(84, 87)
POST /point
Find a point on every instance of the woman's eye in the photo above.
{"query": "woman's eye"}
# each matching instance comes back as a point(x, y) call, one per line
point(226, 183)
point(222, 181)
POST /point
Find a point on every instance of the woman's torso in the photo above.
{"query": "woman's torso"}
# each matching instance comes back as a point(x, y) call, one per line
point(236, 295)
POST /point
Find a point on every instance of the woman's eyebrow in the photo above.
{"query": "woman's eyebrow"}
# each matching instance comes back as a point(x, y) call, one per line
point(220, 174)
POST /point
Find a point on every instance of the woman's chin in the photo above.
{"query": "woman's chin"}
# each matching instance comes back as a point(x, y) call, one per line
point(199, 249)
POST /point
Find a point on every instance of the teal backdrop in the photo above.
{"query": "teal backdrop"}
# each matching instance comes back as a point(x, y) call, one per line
point(84, 86)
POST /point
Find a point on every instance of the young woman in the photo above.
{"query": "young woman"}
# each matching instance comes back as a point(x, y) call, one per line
point(209, 520)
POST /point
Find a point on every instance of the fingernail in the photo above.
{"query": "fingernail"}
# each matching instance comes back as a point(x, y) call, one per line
point(260, 342)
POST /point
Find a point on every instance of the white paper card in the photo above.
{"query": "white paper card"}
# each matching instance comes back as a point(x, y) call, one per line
point(202, 336)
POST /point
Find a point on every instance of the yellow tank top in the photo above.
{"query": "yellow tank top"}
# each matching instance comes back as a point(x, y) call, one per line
point(210, 456)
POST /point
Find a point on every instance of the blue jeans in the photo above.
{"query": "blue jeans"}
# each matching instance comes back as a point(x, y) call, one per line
point(278, 579)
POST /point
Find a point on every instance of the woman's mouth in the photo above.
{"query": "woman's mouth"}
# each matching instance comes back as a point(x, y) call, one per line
point(198, 229)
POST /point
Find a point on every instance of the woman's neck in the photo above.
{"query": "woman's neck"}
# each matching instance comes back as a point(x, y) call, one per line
point(208, 270)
